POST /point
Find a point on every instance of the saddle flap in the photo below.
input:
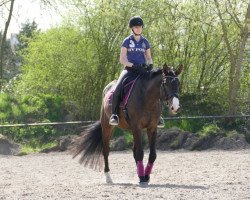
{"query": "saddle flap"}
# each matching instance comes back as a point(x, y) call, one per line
point(127, 87)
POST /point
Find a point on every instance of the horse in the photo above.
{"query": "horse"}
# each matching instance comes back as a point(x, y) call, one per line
point(144, 110)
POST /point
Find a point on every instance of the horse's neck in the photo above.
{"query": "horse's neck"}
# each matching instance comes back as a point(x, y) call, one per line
point(153, 88)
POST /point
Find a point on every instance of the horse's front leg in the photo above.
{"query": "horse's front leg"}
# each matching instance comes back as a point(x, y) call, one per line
point(138, 154)
point(152, 154)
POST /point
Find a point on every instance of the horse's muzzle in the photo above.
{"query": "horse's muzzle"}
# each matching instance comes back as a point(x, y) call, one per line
point(175, 105)
point(175, 110)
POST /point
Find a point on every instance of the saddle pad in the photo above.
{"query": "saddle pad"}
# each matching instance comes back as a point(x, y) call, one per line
point(127, 88)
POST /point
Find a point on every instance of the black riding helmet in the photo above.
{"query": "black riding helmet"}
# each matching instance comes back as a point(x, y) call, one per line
point(135, 21)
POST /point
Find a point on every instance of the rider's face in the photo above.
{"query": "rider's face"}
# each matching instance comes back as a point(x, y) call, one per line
point(137, 29)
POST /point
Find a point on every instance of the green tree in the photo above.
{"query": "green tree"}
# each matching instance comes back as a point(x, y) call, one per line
point(235, 45)
point(27, 32)
point(3, 39)
point(78, 59)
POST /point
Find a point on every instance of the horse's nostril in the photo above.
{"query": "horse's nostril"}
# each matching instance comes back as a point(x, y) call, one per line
point(172, 108)
point(178, 109)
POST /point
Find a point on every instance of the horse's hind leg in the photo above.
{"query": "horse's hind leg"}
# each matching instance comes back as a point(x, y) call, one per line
point(106, 139)
point(106, 135)
point(152, 155)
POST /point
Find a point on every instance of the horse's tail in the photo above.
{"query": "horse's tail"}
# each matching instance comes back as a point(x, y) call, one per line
point(91, 146)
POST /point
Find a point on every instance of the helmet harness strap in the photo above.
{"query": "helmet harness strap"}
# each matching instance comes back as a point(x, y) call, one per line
point(135, 33)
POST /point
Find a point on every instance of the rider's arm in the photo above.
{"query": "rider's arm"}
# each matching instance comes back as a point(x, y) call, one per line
point(123, 57)
point(148, 57)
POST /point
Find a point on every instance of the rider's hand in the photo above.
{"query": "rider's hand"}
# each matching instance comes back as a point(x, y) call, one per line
point(139, 68)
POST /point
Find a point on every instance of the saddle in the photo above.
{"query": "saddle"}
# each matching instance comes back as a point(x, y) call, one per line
point(127, 87)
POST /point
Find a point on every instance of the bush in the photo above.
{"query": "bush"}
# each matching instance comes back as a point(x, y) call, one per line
point(127, 135)
point(41, 134)
point(9, 108)
point(43, 106)
point(30, 108)
point(191, 125)
point(198, 104)
point(209, 130)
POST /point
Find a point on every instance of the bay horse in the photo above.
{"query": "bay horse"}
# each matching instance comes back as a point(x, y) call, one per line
point(144, 109)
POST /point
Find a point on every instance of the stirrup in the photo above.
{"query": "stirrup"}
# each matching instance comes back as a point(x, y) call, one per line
point(114, 120)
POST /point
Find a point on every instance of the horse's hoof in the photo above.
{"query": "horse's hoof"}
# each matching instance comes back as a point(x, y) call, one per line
point(108, 178)
point(147, 178)
point(143, 184)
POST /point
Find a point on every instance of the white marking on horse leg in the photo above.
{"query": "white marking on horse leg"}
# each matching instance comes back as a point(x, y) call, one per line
point(108, 178)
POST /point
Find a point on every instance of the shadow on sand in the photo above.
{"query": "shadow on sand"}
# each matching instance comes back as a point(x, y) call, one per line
point(167, 185)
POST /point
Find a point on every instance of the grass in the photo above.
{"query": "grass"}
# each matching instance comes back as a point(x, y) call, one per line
point(191, 125)
point(209, 130)
point(35, 147)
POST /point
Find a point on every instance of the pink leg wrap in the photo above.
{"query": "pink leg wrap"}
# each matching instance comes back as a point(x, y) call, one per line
point(148, 168)
point(140, 168)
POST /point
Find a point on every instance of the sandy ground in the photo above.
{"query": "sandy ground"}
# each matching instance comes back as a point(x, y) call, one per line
point(176, 175)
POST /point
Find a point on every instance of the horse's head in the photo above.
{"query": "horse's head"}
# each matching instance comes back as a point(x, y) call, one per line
point(170, 87)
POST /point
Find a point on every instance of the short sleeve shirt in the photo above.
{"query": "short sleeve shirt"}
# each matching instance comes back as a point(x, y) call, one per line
point(136, 50)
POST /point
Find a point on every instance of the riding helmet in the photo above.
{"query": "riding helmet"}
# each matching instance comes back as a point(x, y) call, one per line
point(135, 21)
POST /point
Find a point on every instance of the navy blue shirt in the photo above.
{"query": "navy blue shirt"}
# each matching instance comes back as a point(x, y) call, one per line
point(136, 50)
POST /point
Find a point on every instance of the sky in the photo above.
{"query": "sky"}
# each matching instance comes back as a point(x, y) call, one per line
point(29, 10)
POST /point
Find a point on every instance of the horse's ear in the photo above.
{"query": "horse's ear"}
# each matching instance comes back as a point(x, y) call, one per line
point(179, 70)
point(166, 68)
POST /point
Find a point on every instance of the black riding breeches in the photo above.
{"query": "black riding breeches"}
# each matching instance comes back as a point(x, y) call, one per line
point(124, 74)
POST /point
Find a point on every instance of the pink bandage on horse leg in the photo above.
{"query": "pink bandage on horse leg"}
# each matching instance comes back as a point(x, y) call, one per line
point(140, 168)
point(148, 168)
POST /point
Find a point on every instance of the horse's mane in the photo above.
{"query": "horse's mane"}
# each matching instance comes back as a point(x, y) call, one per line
point(155, 72)
point(167, 72)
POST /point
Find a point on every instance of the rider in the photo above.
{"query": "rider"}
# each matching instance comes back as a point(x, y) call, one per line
point(135, 54)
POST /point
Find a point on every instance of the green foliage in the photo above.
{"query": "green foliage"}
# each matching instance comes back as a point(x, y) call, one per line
point(117, 132)
point(32, 134)
point(44, 106)
point(65, 69)
point(129, 138)
point(29, 108)
point(8, 109)
point(204, 127)
point(127, 135)
point(10, 61)
point(27, 33)
point(209, 130)
point(198, 104)
point(191, 125)
point(62, 69)
point(35, 146)
point(232, 134)
point(78, 59)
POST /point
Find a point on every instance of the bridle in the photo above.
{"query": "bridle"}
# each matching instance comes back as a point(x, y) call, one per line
point(170, 96)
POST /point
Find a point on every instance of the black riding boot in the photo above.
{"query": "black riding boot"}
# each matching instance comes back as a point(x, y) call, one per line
point(114, 119)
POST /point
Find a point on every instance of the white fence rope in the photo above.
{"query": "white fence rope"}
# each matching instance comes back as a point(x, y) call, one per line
point(89, 122)
point(45, 124)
